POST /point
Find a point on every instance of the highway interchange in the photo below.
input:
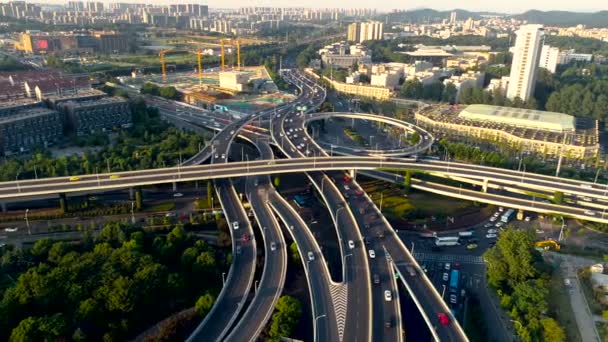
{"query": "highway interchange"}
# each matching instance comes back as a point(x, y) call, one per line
point(366, 316)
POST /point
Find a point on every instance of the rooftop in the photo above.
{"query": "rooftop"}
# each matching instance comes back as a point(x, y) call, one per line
point(520, 117)
point(27, 114)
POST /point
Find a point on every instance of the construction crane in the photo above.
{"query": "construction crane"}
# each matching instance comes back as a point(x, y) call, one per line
point(163, 65)
point(238, 53)
point(163, 68)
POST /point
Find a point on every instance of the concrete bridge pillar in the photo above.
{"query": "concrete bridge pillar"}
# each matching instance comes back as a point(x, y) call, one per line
point(3, 206)
point(485, 185)
point(174, 186)
point(352, 173)
point(131, 193)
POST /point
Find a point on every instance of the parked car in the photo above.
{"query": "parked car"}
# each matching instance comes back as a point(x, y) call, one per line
point(446, 276)
point(372, 253)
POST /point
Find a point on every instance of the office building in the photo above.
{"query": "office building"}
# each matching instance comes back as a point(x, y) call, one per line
point(453, 17)
point(567, 56)
point(526, 54)
point(354, 32)
point(360, 32)
point(549, 57)
point(96, 115)
point(27, 126)
point(343, 55)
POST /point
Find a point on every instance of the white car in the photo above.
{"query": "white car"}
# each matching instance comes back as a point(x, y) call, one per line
point(351, 244)
point(491, 236)
point(235, 225)
point(499, 224)
point(527, 219)
point(501, 209)
point(448, 266)
point(493, 219)
point(273, 246)
point(372, 253)
point(590, 212)
point(178, 194)
point(453, 299)
point(10, 230)
point(388, 295)
point(311, 256)
point(346, 187)
point(445, 276)
point(492, 231)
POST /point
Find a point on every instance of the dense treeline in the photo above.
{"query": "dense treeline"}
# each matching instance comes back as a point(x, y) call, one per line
point(516, 270)
point(148, 144)
point(167, 92)
point(110, 288)
point(414, 89)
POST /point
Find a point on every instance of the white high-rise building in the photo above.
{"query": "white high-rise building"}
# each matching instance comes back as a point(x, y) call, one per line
point(549, 56)
point(453, 17)
point(526, 54)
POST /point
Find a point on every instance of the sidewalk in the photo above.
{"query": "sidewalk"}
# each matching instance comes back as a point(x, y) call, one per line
point(584, 318)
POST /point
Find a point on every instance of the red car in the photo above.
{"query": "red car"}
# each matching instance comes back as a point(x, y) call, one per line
point(358, 192)
point(443, 318)
point(346, 179)
point(245, 238)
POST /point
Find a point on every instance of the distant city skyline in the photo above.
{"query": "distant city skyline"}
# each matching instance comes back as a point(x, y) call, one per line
point(513, 7)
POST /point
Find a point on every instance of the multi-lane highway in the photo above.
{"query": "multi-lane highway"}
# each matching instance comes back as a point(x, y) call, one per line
point(50, 187)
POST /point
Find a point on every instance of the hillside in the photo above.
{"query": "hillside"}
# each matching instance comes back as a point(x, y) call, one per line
point(548, 18)
point(427, 15)
point(563, 18)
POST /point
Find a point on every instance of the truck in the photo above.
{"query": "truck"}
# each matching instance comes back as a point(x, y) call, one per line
point(507, 216)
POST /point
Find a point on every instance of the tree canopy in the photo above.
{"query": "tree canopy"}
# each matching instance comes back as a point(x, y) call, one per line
point(112, 287)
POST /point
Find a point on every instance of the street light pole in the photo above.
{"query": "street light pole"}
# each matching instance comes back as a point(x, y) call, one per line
point(132, 212)
point(223, 278)
point(316, 318)
point(27, 222)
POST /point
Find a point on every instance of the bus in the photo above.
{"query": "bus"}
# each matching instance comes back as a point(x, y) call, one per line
point(447, 241)
point(454, 278)
point(506, 217)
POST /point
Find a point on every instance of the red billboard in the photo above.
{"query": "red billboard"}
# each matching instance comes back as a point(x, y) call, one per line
point(42, 44)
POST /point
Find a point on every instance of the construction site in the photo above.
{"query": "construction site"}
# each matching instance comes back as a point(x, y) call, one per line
point(236, 87)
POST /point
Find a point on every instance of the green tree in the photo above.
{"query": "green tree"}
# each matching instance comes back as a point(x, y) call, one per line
point(169, 93)
point(204, 304)
point(558, 197)
point(149, 88)
point(139, 203)
point(408, 179)
point(285, 319)
point(511, 261)
point(552, 331)
point(294, 252)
